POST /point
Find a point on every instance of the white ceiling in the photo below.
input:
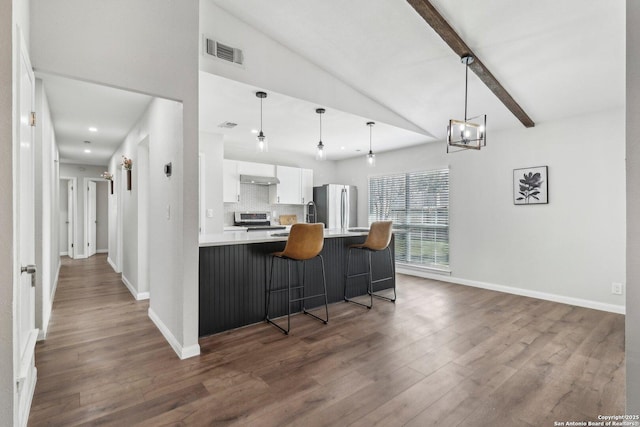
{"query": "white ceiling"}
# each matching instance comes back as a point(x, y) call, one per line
point(76, 106)
point(556, 58)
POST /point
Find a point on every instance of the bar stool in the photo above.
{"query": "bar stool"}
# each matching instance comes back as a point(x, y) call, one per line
point(304, 244)
point(378, 240)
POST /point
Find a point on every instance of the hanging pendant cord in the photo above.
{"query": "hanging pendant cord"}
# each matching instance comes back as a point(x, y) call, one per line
point(370, 131)
point(261, 114)
point(320, 126)
point(466, 82)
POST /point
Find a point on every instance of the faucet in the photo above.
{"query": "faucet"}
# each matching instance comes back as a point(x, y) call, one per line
point(312, 206)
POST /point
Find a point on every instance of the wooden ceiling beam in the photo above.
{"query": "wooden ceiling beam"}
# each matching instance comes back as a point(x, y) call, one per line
point(440, 25)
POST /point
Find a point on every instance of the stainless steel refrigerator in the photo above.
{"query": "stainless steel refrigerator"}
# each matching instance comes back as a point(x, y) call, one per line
point(337, 205)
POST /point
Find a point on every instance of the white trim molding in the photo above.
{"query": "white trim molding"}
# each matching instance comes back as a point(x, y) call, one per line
point(65, 253)
point(182, 352)
point(137, 295)
point(612, 308)
point(112, 264)
point(102, 251)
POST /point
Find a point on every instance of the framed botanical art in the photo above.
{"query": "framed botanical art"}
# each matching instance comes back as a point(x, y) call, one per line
point(530, 186)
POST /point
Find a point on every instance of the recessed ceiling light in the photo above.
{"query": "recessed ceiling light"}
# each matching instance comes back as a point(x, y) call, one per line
point(342, 148)
point(87, 151)
point(254, 131)
point(93, 129)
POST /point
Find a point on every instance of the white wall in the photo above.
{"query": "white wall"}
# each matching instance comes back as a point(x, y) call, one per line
point(212, 150)
point(153, 51)
point(573, 247)
point(70, 170)
point(632, 342)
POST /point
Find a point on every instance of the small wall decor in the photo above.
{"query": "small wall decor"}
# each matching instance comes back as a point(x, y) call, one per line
point(530, 186)
point(127, 164)
point(109, 177)
point(167, 169)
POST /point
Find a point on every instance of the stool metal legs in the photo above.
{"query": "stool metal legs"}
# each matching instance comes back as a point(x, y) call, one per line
point(303, 298)
point(370, 281)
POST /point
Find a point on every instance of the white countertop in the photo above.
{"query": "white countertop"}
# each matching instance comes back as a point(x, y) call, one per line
point(246, 237)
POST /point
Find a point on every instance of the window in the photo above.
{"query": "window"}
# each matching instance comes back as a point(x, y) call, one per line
point(418, 205)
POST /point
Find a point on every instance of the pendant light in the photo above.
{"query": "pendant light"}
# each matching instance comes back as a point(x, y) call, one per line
point(465, 133)
point(320, 155)
point(371, 158)
point(262, 143)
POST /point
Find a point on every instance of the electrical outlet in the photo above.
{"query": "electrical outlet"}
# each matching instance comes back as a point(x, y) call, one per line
point(616, 288)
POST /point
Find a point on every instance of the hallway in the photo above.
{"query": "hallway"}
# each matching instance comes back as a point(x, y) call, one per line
point(100, 350)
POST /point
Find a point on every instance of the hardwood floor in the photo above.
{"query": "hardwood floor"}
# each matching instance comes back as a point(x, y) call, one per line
point(443, 355)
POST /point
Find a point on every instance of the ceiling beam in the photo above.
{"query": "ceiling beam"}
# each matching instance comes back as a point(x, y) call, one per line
point(436, 21)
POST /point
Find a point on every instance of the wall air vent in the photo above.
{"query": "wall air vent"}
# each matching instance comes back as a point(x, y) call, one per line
point(224, 52)
point(227, 125)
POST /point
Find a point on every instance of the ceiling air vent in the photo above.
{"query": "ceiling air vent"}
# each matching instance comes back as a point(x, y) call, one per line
point(224, 52)
point(227, 125)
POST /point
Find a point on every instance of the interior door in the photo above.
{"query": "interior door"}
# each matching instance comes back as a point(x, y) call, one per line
point(25, 298)
point(91, 218)
point(70, 222)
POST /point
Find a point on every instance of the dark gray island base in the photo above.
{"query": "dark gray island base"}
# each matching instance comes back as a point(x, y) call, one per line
point(233, 280)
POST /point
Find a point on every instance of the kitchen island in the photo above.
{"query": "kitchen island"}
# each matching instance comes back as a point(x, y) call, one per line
point(234, 273)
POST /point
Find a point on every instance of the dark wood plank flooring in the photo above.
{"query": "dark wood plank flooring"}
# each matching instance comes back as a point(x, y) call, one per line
point(443, 355)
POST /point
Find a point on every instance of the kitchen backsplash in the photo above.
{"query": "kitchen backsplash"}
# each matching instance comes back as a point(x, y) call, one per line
point(255, 198)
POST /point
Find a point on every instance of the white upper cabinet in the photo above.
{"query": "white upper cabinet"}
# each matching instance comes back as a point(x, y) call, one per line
point(295, 188)
point(288, 192)
point(307, 185)
point(230, 181)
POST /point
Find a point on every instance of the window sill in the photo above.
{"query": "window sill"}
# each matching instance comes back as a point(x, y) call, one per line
point(422, 269)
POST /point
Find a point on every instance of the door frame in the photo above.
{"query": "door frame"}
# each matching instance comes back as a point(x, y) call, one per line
point(74, 213)
point(24, 369)
point(85, 183)
point(143, 183)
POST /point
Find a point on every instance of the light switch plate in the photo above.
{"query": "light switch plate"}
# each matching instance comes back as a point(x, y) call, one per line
point(616, 288)
point(209, 213)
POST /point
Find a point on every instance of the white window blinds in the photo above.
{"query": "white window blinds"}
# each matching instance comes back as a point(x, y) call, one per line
point(418, 205)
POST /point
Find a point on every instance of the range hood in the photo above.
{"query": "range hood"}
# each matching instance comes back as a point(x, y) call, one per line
point(259, 180)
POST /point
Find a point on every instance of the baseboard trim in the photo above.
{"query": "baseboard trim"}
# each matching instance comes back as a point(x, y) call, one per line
point(65, 253)
point(42, 333)
point(30, 393)
point(182, 352)
point(112, 264)
point(137, 295)
point(102, 251)
point(612, 308)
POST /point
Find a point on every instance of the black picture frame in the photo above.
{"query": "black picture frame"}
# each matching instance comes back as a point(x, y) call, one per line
point(531, 186)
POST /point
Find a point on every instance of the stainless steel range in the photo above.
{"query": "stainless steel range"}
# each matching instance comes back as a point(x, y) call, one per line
point(255, 221)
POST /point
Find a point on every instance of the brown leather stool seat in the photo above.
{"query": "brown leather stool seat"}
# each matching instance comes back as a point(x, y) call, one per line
point(305, 243)
point(378, 240)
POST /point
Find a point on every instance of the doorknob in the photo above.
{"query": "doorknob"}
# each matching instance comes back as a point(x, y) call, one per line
point(30, 269)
